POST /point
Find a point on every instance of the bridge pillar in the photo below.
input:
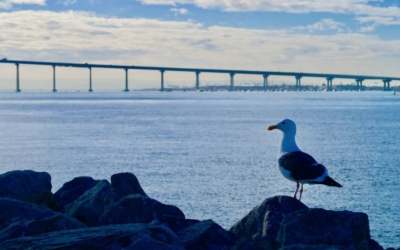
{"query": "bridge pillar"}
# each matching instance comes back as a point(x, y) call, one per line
point(359, 84)
point(232, 85)
point(298, 83)
point(265, 84)
point(197, 80)
point(54, 78)
point(126, 80)
point(329, 86)
point(90, 79)
point(17, 87)
point(386, 84)
point(162, 80)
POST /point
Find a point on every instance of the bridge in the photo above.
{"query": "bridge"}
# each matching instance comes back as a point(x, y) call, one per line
point(265, 74)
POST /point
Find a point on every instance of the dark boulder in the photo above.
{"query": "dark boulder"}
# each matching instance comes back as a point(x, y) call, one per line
point(89, 207)
point(176, 224)
point(137, 209)
point(321, 227)
point(112, 237)
point(264, 220)
point(19, 218)
point(73, 189)
point(124, 184)
point(206, 235)
point(315, 247)
point(29, 186)
point(252, 244)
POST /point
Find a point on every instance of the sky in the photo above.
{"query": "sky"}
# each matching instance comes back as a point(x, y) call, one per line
point(319, 36)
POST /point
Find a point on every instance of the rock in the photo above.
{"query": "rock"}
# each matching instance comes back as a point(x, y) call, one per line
point(264, 220)
point(252, 244)
point(373, 245)
point(127, 236)
point(124, 184)
point(29, 186)
point(315, 247)
point(176, 224)
point(89, 207)
point(138, 209)
point(19, 218)
point(206, 235)
point(321, 227)
point(73, 189)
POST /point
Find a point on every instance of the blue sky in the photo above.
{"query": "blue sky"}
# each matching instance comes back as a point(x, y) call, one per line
point(346, 36)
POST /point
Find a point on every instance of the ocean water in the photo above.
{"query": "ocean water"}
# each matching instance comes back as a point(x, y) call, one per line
point(210, 154)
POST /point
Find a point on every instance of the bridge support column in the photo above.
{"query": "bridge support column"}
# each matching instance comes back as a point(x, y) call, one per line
point(386, 84)
point(359, 84)
point(162, 80)
point(232, 85)
point(298, 82)
point(197, 80)
point(126, 81)
point(265, 82)
point(329, 86)
point(90, 79)
point(17, 89)
point(54, 78)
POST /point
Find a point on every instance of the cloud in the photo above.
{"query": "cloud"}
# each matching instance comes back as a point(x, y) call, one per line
point(376, 21)
point(181, 11)
point(67, 2)
point(86, 37)
point(7, 4)
point(359, 7)
point(324, 25)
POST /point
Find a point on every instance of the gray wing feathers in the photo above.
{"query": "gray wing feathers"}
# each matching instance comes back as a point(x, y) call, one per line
point(302, 166)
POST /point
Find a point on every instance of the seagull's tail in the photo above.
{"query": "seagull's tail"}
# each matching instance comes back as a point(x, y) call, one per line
point(331, 182)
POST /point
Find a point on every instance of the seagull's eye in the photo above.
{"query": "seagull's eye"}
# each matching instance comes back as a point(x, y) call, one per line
point(283, 122)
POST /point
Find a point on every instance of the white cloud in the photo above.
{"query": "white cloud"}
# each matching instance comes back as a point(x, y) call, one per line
point(85, 37)
point(181, 11)
point(67, 2)
point(359, 7)
point(376, 21)
point(323, 25)
point(7, 4)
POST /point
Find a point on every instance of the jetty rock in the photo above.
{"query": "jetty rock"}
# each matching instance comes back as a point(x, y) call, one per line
point(97, 214)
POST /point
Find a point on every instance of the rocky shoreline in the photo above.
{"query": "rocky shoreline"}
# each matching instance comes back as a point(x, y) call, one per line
point(97, 214)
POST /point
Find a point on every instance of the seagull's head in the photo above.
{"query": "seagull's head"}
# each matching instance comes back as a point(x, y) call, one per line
point(286, 126)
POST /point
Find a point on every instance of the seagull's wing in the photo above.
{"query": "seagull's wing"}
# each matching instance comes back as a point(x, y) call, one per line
point(301, 166)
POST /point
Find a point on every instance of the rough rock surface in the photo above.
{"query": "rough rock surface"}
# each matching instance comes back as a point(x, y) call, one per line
point(29, 186)
point(124, 184)
point(176, 224)
point(252, 244)
point(19, 218)
point(138, 209)
point(321, 227)
point(113, 237)
point(315, 247)
point(89, 207)
point(73, 189)
point(264, 220)
point(206, 235)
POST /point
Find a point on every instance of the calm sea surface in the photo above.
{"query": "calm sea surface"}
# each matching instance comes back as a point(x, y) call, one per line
point(210, 154)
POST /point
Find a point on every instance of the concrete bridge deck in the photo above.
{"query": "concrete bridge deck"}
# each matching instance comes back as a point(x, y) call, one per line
point(265, 74)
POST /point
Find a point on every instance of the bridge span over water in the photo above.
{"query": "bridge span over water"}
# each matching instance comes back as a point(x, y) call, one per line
point(265, 74)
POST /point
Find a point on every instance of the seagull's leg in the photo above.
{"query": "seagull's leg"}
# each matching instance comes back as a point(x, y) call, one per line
point(301, 191)
point(295, 193)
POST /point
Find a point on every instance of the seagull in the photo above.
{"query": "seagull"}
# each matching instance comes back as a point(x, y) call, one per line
point(296, 165)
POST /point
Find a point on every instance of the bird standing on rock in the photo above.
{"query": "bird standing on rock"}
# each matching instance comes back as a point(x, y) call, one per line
point(296, 165)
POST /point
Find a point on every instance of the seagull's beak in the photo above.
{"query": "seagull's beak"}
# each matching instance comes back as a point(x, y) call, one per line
point(272, 127)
